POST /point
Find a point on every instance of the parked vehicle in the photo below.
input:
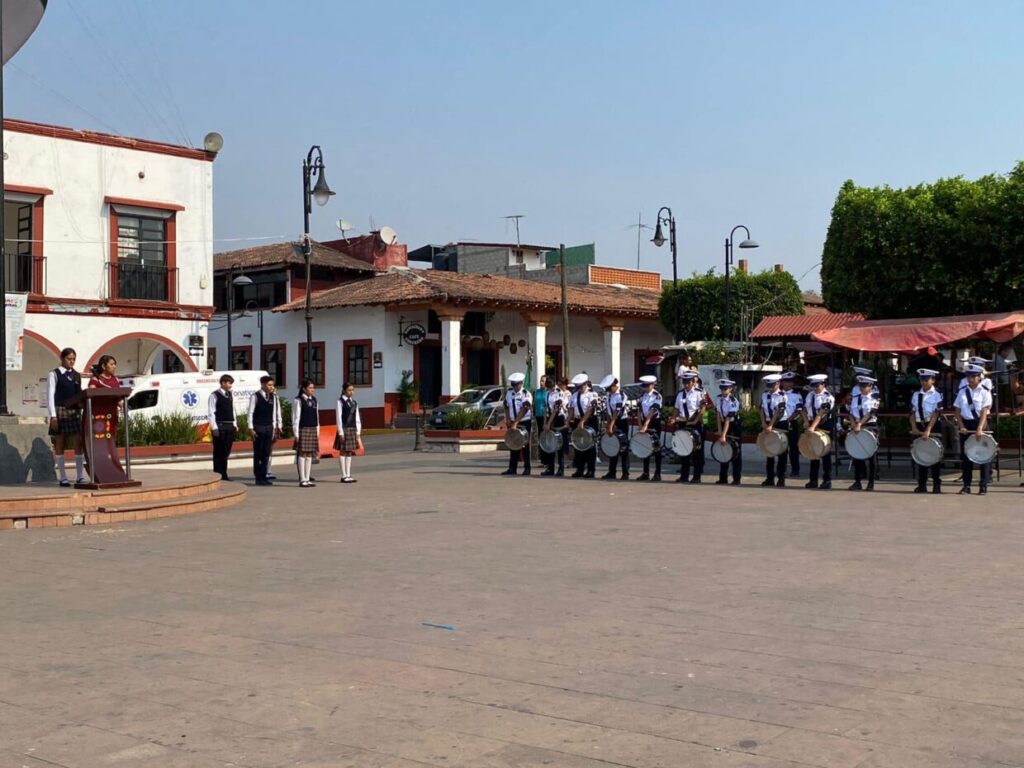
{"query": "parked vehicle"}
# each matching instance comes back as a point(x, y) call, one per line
point(485, 399)
point(162, 394)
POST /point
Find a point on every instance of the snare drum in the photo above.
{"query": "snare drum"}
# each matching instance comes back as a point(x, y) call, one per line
point(772, 444)
point(722, 452)
point(981, 450)
point(611, 445)
point(550, 441)
point(685, 442)
point(583, 438)
point(814, 445)
point(861, 445)
point(515, 438)
point(926, 451)
point(641, 445)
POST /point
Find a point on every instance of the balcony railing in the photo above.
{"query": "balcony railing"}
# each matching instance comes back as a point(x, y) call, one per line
point(144, 282)
point(20, 275)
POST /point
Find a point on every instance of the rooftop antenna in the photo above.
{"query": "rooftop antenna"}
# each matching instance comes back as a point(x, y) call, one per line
point(639, 227)
point(343, 227)
point(516, 217)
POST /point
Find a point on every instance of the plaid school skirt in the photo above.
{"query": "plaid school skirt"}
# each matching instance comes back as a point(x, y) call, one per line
point(308, 440)
point(347, 441)
point(69, 421)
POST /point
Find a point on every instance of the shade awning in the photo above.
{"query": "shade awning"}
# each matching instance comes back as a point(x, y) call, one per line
point(911, 334)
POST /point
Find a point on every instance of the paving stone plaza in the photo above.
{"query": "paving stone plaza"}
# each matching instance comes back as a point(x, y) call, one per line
point(436, 614)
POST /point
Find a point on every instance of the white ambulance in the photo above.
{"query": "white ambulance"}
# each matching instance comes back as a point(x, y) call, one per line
point(162, 394)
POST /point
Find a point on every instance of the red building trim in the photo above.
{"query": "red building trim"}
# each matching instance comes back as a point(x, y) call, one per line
point(26, 190)
point(43, 305)
point(185, 357)
point(143, 204)
point(170, 246)
point(106, 139)
point(44, 341)
point(38, 259)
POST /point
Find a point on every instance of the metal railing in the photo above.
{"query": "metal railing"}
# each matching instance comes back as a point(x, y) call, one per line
point(147, 282)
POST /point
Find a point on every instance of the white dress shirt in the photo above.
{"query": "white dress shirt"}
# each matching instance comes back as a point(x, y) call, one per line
point(814, 403)
point(580, 403)
point(515, 402)
point(339, 418)
point(924, 404)
point(688, 403)
point(276, 421)
point(650, 401)
point(51, 390)
point(981, 398)
point(211, 409)
point(770, 401)
point(862, 405)
point(297, 415)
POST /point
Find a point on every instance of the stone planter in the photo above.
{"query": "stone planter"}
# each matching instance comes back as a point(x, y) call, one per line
point(463, 440)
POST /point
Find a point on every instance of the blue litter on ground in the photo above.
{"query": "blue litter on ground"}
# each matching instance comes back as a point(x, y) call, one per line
point(438, 626)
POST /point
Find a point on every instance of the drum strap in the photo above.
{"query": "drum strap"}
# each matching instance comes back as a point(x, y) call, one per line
point(920, 407)
point(970, 401)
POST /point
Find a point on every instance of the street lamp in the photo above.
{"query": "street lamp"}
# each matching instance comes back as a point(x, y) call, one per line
point(232, 282)
point(259, 324)
point(321, 193)
point(659, 240)
point(748, 243)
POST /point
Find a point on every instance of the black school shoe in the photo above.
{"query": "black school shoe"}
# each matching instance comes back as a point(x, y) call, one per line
point(826, 485)
point(767, 483)
point(856, 486)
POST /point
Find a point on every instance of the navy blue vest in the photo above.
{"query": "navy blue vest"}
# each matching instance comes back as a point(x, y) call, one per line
point(310, 416)
point(225, 410)
point(263, 413)
point(348, 413)
point(69, 384)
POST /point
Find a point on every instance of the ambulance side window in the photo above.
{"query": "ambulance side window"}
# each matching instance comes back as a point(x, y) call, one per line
point(145, 399)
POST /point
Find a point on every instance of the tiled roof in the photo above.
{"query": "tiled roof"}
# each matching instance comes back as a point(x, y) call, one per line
point(801, 326)
point(287, 253)
point(418, 286)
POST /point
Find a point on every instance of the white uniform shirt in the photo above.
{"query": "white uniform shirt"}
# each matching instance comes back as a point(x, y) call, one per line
point(297, 415)
point(986, 383)
point(688, 403)
point(728, 407)
point(51, 390)
point(613, 403)
point(557, 402)
point(981, 398)
point(515, 402)
point(276, 422)
point(861, 405)
point(770, 401)
point(814, 403)
point(924, 404)
point(339, 416)
point(580, 403)
point(211, 409)
point(649, 401)
point(794, 404)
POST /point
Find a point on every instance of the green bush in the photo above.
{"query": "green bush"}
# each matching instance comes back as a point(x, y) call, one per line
point(464, 418)
point(286, 417)
point(175, 429)
point(243, 433)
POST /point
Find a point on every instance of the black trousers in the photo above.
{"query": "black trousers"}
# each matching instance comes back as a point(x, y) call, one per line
point(823, 466)
point(934, 470)
point(967, 465)
point(655, 432)
point(866, 469)
point(513, 456)
point(775, 466)
point(735, 439)
point(793, 433)
point(222, 443)
point(262, 443)
point(695, 459)
point(557, 425)
point(622, 430)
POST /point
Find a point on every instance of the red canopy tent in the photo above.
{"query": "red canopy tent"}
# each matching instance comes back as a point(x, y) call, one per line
point(912, 334)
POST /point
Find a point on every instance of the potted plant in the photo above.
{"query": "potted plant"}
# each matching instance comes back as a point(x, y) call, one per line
point(408, 391)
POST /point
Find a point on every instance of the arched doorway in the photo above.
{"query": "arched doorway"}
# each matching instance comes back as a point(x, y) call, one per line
point(26, 389)
point(138, 353)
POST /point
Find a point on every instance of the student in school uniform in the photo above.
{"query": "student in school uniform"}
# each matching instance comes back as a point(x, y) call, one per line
point(820, 412)
point(582, 412)
point(973, 404)
point(223, 424)
point(617, 419)
point(796, 403)
point(690, 415)
point(730, 429)
point(557, 407)
point(864, 415)
point(265, 421)
point(63, 383)
point(774, 406)
point(925, 409)
point(649, 419)
point(306, 426)
point(349, 439)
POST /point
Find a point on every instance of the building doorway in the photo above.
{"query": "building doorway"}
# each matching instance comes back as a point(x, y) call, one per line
point(428, 373)
point(481, 367)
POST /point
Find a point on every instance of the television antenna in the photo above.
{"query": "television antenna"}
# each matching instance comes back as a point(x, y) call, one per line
point(639, 227)
point(516, 217)
point(343, 227)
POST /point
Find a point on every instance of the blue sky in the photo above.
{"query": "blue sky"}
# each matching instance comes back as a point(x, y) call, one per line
point(439, 118)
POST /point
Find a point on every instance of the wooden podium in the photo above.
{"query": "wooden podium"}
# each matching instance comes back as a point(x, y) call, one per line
point(103, 408)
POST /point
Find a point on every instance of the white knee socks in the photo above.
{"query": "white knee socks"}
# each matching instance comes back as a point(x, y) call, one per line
point(79, 466)
point(346, 466)
point(61, 468)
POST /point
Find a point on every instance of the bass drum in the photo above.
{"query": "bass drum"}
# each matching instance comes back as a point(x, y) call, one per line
point(721, 452)
point(641, 445)
point(515, 438)
point(926, 451)
point(685, 442)
point(814, 445)
point(583, 438)
point(981, 450)
point(611, 445)
point(861, 445)
point(772, 443)
point(550, 441)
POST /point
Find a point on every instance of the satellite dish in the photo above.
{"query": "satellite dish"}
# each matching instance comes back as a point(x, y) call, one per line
point(213, 142)
point(388, 235)
point(343, 225)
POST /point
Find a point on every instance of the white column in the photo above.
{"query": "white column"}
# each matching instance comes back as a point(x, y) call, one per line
point(613, 350)
point(537, 334)
point(451, 357)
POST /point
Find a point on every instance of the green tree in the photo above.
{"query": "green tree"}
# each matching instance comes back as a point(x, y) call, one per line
point(701, 302)
point(951, 247)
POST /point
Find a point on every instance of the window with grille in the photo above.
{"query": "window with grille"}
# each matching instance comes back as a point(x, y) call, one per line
point(141, 258)
point(273, 362)
point(316, 366)
point(358, 363)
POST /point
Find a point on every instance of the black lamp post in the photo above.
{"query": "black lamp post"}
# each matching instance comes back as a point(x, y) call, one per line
point(259, 324)
point(321, 193)
point(659, 240)
point(748, 243)
point(232, 282)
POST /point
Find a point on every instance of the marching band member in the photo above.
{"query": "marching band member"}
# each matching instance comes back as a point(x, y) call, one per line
point(518, 405)
point(859, 370)
point(730, 428)
point(774, 405)
point(795, 402)
point(558, 406)
point(618, 423)
point(819, 409)
point(863, 407)
point(690, 415)
point(649, 414)
point(973, 404)
point(925, 408)
point(582, 407)
point(978, 362)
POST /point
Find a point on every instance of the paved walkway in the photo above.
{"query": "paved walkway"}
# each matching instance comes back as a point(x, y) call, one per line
point(434, 614)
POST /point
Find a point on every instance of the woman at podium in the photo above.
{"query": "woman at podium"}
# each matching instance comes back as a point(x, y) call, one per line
point(103, 375)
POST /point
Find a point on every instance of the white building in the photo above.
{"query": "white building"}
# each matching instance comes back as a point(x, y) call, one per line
point(474, 326)
point(112, 239)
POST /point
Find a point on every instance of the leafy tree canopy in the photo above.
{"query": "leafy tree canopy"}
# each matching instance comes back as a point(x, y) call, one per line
point(948, 248)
